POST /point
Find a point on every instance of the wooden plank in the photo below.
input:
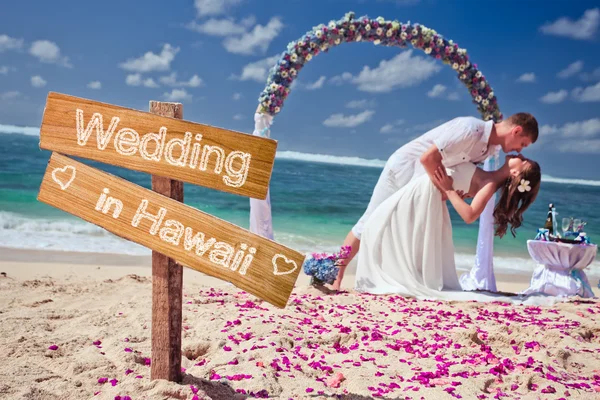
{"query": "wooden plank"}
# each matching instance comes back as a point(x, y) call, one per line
point(200, 154)
point(218, 248)
point(167, 281)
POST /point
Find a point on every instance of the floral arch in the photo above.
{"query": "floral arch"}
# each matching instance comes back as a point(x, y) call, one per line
point(381, 32)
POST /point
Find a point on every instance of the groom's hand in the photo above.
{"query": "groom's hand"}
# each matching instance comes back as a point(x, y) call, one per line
point(442, 180)
point(431, 160)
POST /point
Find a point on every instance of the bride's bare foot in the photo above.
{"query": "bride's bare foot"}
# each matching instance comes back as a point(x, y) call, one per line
point(337, 284)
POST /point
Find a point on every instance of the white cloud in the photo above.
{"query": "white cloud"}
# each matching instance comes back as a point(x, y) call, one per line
point(48, 52)
point(11, 95)
point(591, 76)
point(404, 134)
point(152, 62)
point(348, 121)
point(588, 94)
point(255, 41)
point(341, 79)
point(238, 117)
point(437, 91)
point(222, 27)
point(4, 70)
point(392, 127)
point(579, 129)
point(571, 70)
point(237, 96)
point(582, 29)
point(364, 103)
point(554, 97)
point(9, 43)
point(425, 127)
point(214, 7)
point(38, 81)
point(527, 77)
point(195, 81)
point(403, 70)
point(546, 130)
point(318, 84)
point(133, 80)
point(95, 85)
point(150, 83)
point(171, 80)
point(257, 70)
point(585, 129)
point(248, 22)
point(387, 128)
point(581, 146)
point(177, 95)
point(453, 96)
point(136, 80)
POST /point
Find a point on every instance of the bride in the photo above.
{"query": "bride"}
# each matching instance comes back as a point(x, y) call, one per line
point(407, 243)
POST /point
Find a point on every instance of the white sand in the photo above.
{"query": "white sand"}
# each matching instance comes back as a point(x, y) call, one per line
point(399, 348)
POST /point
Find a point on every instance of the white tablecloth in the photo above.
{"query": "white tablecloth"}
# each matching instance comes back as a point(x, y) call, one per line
point(560, 268)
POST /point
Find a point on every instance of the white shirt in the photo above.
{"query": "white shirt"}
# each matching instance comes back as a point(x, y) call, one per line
point(462, 139)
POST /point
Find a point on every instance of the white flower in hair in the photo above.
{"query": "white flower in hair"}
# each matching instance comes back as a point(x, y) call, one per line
point(524, 186)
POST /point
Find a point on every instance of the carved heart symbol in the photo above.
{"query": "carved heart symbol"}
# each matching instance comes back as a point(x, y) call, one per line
point(64, 176)
point(276, 270)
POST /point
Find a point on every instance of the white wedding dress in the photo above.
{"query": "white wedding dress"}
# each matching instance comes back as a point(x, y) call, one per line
point(407, 248)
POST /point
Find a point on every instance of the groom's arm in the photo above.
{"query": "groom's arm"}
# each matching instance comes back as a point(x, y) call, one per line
point(432, 161)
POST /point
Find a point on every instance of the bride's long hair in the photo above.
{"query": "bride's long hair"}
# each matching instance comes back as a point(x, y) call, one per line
point(514, 202)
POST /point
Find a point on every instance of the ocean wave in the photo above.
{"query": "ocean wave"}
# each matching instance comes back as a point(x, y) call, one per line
point(376, 163)
point(328, 159)
point(584, 182)
point(313, 157)
point(20, 130)
point(22, 232)
point(17, 222)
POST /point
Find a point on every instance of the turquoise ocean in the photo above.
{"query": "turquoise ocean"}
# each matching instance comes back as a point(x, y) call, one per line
point(316, 199)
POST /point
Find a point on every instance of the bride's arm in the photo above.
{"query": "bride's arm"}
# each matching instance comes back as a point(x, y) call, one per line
point(468, 212)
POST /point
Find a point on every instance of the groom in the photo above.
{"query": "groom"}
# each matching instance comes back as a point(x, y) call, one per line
point(463, 139)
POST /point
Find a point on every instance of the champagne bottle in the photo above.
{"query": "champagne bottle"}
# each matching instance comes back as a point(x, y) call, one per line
point(554, 221)
point(549, 220)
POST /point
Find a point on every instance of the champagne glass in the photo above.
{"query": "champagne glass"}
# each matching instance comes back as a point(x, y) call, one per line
point(576, 225)
point(565, 225)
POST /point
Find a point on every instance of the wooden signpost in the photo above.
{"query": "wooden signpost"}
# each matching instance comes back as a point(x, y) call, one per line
point(200, 154)
point(167, 281)
point(158, 219)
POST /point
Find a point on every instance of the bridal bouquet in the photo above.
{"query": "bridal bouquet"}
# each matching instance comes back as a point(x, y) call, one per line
point(323, 267)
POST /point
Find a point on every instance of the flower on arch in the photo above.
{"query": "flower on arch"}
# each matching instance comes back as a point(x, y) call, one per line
point(380, 32)
point(524, 186)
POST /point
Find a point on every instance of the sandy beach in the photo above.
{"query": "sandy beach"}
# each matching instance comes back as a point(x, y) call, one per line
point(79, 328)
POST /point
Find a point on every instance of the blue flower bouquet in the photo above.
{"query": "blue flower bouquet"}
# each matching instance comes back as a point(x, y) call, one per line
point(323, 267)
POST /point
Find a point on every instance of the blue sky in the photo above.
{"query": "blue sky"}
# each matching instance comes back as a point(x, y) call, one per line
point(213, 56)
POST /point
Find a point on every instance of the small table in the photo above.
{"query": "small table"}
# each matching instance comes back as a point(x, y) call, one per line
point(560, 268)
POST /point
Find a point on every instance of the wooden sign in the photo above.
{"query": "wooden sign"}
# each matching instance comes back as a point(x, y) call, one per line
point(198, 240)
point(200, 154)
